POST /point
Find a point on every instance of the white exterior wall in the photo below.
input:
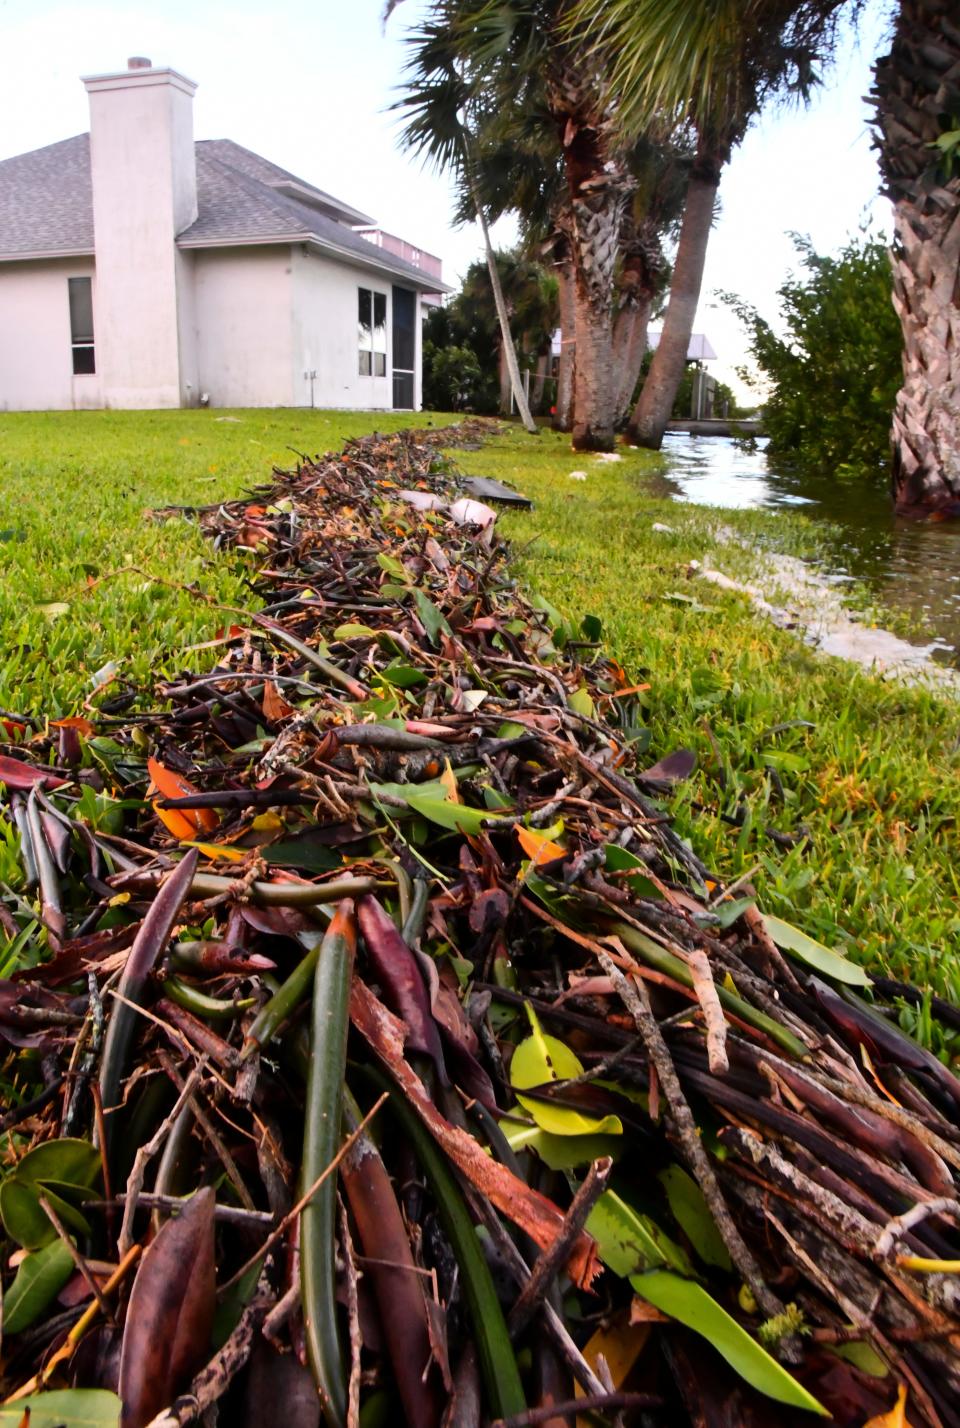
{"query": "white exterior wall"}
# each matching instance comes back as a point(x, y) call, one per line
point(325, 335)
point(144, 192)
point(36, 359)
point(243, 316)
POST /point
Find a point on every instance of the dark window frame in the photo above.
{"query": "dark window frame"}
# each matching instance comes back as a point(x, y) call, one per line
point(82, 347)
point(371, 332)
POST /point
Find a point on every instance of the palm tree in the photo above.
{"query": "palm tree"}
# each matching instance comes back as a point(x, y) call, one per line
point(500, 52)
point(441, 128)
point(710, 65)
point(917, 98)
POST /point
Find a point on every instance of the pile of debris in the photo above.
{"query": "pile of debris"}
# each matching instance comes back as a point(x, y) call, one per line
point(375, 1047)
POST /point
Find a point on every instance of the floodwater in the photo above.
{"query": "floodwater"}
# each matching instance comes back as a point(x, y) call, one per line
point(909, 566)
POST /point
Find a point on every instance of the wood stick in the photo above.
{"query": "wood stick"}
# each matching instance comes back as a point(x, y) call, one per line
point(713, 1017)
point(635, 998)
point(548, 1264)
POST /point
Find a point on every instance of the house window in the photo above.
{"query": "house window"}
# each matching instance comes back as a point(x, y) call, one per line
point(372, 333)
point(81, 325)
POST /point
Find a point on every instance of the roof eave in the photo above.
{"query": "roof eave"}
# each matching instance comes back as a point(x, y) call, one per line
point(38, 254)
point(425, 282)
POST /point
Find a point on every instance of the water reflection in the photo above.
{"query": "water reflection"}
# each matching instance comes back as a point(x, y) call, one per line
point(909, 566)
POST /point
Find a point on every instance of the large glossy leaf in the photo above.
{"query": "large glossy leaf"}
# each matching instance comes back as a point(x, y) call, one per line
point(691, 1305)
point(39, 1280)
point(542, 1059)
point(628, 1241)
point(634, 1247)
point(64, 1408)
point(822, 959)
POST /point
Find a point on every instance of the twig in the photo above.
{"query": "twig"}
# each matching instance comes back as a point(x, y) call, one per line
point(174, 1204)
point(901, 1225)
point(353, 1319)
point(635, 998)
point(551, 1260)
point(145, 1153)
point(291, 1215)
point(590, 1403)
point(75, 1255)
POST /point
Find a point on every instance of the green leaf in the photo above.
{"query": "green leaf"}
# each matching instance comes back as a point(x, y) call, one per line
point(402, 676)
point(69, 1161)
point(39, 1280)
point(62, 1170)
point(541, 1059)
point(692, 1214)
point(727, 913)
point(691, 1305)
point(562, 1152)
point(591, 627)
point(455, 816)
point(581, 703)
point(628, 1241)
point(863, 1356)
point(352, 632)
point(431, 616)
point(393, 567)
point(64, 1408)
point(831, 964)
point(621, 860)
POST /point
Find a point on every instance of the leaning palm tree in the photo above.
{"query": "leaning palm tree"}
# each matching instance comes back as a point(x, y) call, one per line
point(917, 98)
point(710, 65)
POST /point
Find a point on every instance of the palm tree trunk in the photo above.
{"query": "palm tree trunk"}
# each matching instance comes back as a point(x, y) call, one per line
point(507, 349)
point(652, 412)
point(594, 398)
point(566, 375)
point(912, 90)
point(598, 185)
point(629, 349)
point(506, 383)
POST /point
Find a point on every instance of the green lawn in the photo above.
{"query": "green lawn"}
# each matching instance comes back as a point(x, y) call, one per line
point(73, 490)
point(874, 782)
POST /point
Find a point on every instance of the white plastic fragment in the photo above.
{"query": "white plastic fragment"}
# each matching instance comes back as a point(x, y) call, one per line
point(578, 475)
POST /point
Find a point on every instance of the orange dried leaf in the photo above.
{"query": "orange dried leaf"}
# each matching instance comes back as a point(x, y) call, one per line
point(538, 847)
point(172, 785)
point(176, 821)
point(895, 1417)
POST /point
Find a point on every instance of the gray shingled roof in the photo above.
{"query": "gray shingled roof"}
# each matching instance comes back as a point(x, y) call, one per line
point(46, 207)
point(45, 200)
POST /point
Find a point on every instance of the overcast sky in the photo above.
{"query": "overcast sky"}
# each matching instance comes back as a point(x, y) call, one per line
point(309, 86)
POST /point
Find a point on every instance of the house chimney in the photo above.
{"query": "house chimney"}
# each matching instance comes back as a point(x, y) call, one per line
point(144, 177)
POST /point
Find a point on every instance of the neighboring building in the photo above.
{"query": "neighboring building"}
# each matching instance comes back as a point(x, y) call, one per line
point(141, 269)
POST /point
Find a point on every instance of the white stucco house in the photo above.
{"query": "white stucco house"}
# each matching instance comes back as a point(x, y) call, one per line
point(139, 268)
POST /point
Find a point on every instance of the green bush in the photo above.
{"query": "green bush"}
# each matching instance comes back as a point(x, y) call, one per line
point(834, 375)
point(453, 380)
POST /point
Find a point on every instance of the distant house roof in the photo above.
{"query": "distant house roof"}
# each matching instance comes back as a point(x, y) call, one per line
point(698, 349)
point(46, 208)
